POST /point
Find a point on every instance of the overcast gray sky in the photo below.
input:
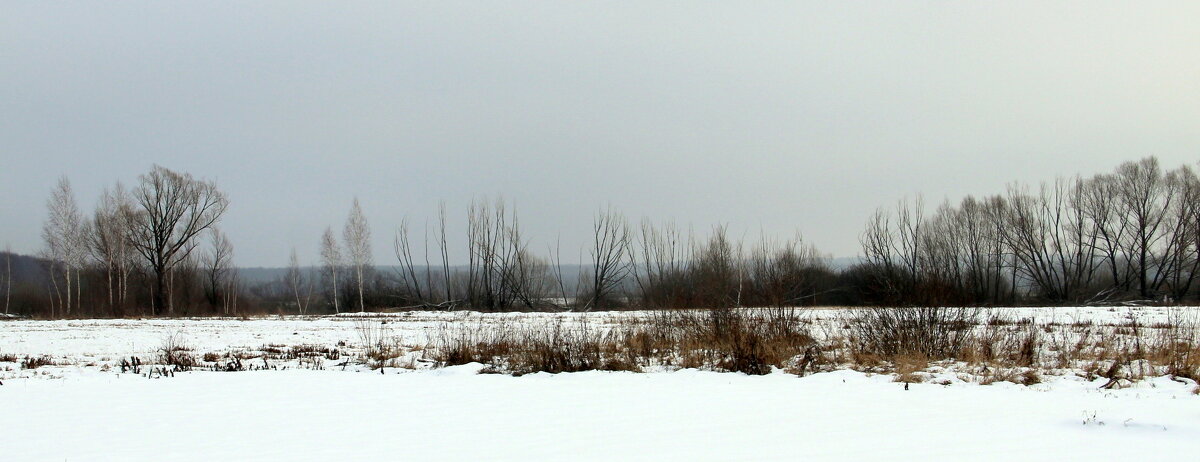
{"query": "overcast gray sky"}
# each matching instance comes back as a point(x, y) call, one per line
point(779, 116)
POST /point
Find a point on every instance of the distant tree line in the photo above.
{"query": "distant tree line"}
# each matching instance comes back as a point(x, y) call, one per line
point(1129, 235)
point(155, 250)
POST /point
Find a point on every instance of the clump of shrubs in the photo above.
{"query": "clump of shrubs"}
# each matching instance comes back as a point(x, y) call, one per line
point(737, 340)
point(34, 362)
point(175, 352)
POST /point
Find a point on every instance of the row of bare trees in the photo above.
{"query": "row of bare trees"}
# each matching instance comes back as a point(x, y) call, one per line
point(1133, 234)
point(660, 267)
point(1129, 235)
point(140, 247)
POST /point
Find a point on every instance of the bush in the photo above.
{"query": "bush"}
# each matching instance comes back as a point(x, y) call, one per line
point(747, 341)
point(933, 332)
point(36, 362)
point(176, 352)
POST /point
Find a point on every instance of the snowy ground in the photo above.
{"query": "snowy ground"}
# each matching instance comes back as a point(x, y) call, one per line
point(687, 415)
point(88, 344)
point(83, 408)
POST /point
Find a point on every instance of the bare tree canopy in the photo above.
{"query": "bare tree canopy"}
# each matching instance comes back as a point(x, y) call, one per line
point(218, 268)
point(609, 258)
point(331, 263)
point(299, 285)
point(357, 235)
point(172, 209)
point(109, 243)
point(65, 233)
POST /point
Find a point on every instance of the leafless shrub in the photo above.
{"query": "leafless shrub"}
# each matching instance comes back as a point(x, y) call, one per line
point(1177, 345)
point(935, 332)
point(34, 362)
point(312, 351)
point(567, 347)
point(747, 341)
point(378, 343)
point(471, 342)
point(175, 352)
point(554, 346)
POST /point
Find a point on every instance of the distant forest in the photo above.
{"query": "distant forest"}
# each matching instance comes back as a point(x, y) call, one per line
point(1128, 236)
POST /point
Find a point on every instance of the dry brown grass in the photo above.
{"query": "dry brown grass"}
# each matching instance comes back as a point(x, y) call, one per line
point(751, 342)
point(908, 368)
point(988, 349)
point(1019, 376)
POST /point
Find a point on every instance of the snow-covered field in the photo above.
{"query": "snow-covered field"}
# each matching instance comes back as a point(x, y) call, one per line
point(84, 345)
point(334, 407)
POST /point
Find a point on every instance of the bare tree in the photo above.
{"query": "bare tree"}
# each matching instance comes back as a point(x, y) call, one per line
point(659, 269)
point(894, 249)
point(408, 271)
point(1052, 239)
point(526, 275)
point(332, 262)
point(609, 263)
point(783, 274)
point(7, 276)
point(556, 253)
point(1144, 195)
point(299, 285)
point(443, 246)
point(489, 258)
point(65, 233)
point(172, 210)
point(109, 244)
point(217, 263)
point(357, 235)
point(1182, 263)
point(232, 289)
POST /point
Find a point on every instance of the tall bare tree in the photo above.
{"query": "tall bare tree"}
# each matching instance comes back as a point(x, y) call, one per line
point(408, 267)
point(609, 265)
point(109, 244)
point(783, 274)
point(172, 209)
point(357, 235)
point(1182, 263)
point(1145, 196)
point(659, 269)
point(489, 259)
point(232, 289)
point(445, 250)
point(893, 247)
point(65, 233)
point(1052, 239)
point(7, 277)
point(298, 284)
point(332, 262)
point(217, 264)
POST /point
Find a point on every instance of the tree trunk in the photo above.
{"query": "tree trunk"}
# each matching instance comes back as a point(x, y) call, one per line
point(160, 287)
point(361, 304)
point(335, 291)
